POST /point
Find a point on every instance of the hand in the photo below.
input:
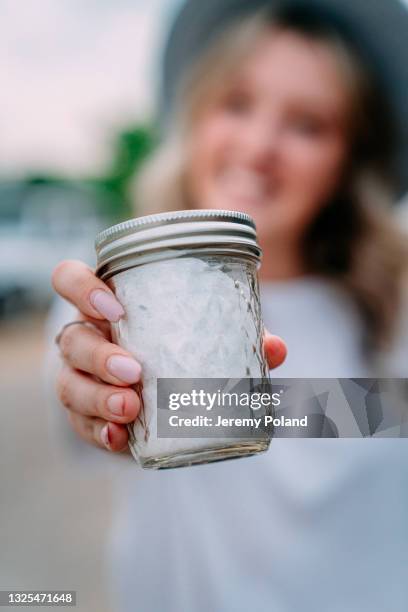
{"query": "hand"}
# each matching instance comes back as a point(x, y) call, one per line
point(275, 350)
point(94, 384)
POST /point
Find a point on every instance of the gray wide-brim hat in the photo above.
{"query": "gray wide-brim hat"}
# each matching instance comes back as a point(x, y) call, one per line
point(379, 26)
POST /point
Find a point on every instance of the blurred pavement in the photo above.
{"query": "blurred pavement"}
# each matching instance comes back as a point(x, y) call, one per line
point(46, 506)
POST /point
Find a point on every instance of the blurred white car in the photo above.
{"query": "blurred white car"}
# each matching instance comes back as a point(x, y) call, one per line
point(43, 225)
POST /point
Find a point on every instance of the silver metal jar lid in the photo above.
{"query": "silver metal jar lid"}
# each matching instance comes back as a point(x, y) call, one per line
point(175, 234)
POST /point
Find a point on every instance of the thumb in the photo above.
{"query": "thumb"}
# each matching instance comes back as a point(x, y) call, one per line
point(275, 349)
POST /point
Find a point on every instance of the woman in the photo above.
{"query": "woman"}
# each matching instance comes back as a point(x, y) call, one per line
point(279, 117)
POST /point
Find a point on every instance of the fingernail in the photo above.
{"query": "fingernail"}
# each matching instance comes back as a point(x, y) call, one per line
point(115, 404)
point(105, 435)
point(106, 304)
point(126, 369)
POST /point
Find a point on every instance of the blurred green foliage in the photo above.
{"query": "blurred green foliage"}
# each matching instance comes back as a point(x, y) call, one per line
point(107, 193)
point(131, 147)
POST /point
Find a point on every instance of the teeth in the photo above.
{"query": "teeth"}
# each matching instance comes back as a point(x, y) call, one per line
point(248, 184)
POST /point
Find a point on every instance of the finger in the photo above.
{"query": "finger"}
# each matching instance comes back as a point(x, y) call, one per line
point(275, 350)
point(76, 282)
point(84, 395)
point(98, 432)
point(84, 349)
point(103, 326)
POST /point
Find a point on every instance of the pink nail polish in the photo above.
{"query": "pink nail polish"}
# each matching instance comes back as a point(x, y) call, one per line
point(115, 404)
point(106, 304)
point(125, 368)
point(105, 435)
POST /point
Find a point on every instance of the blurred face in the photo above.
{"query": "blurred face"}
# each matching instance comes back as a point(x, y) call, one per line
point(274, 142)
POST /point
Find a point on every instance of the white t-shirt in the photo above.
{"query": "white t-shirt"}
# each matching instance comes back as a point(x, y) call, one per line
point(309, 526)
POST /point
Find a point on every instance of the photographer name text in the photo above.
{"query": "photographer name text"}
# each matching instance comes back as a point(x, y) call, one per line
point(267, 420)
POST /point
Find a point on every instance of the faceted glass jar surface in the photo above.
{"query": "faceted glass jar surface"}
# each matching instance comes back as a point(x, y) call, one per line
point(190, 313)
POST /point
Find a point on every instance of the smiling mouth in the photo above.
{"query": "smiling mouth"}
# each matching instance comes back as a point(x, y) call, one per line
point(247, 186)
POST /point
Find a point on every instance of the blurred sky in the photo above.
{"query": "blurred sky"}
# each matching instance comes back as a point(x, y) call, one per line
point(71, 71)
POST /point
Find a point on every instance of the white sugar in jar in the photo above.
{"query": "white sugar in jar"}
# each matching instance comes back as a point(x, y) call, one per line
point(187, 281)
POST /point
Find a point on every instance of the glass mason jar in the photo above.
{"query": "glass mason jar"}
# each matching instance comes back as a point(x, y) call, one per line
point(187, 281)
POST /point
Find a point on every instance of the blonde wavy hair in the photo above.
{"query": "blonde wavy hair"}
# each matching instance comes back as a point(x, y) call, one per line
point(353, 239)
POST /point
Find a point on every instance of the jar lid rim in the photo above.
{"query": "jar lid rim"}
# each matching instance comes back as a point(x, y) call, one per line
point(131, 225)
